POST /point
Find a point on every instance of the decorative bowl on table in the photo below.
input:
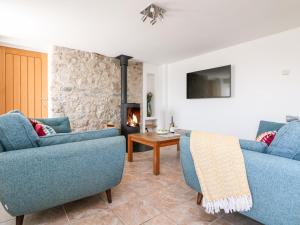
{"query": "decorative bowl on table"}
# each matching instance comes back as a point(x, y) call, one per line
point(162, 131)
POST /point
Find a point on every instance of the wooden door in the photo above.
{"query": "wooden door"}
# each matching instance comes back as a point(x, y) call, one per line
point(23, 82)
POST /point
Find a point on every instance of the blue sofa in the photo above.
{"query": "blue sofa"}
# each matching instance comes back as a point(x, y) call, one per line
point(40, 173)
point(274, 181)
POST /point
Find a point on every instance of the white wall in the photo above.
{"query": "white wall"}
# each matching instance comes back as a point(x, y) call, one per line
point(159, 75)
point(162, 97)
point(259, 89)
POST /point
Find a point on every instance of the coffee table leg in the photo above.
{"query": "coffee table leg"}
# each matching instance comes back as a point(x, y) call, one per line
point(178, 147)
point(156, 159)
point(129, 149)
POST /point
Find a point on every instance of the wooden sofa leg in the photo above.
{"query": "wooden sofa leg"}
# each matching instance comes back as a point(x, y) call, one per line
point(19, 220)
point(108, 195)
point(199, 198)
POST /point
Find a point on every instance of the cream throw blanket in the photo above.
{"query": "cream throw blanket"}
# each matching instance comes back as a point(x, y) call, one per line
point(220, 168)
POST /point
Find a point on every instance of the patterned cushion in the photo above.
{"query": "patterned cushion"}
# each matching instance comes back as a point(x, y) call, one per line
point(265, 126)
point(42, 129)
point(266, 137)
point(59, 124)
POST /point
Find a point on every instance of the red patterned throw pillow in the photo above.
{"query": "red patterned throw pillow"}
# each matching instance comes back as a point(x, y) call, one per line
point(267, 137)
point(42, 129)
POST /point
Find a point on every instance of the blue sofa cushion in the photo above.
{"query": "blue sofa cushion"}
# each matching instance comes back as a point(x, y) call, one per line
point(60, 124)
point(253, 145)
point(16, 132)
point(265, 126)
point(16, 111)
point(78, 136)
point(287, 141)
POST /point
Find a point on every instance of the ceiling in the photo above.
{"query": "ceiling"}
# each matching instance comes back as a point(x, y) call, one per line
point(112, 27)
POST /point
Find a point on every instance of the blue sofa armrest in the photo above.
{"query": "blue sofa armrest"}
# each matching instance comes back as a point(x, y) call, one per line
point(187, 164)
point(39, 178)
point(77, 136)
point(253, 145)
point(275, 186)
point(59, 124)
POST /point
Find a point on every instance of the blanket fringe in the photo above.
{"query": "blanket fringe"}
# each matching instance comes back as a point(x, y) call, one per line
point(229, 204)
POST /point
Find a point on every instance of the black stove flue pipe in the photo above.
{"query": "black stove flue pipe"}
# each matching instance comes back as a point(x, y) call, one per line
point(124, 63)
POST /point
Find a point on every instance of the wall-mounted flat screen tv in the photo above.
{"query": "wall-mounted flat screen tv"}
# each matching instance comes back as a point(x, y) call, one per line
point(209, 83)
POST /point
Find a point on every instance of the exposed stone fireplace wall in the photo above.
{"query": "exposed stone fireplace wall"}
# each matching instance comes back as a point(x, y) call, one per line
point(86, 87)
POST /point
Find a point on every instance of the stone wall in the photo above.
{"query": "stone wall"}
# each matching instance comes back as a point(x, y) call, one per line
point(86, 87)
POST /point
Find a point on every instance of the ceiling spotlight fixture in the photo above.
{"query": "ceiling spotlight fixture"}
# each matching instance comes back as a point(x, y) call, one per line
point(153, 12)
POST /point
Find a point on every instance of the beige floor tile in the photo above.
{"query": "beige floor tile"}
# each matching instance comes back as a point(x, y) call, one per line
point(171, 175)
point(4, 216)
point(182, 182)
point(120, 195)
point(145, 186)
point(195, 223)
point(143, 156)
point(135, 212)
point(190, 213)
point(54, 216)
point(220, 221)
point(169, 198)
point(162, 201)
point(101, 218)
point(9, 222)
point(160, 220)
point(139, 165)
point(85, 207)
point(178, 190)
point(128, 178)
point(178, 193)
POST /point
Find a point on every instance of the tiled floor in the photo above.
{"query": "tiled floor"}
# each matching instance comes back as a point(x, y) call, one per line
point(141, 198)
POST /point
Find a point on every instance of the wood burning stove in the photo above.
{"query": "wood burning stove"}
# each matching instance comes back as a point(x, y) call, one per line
point(130, 112)
point(131, 118)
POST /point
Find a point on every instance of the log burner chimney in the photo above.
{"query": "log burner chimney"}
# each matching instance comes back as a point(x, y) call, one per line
point(124, 63)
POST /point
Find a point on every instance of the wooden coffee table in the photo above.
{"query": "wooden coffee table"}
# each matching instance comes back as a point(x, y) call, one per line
point(154, 140)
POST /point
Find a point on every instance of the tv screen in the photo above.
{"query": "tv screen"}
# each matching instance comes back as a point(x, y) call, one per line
point(210, 83)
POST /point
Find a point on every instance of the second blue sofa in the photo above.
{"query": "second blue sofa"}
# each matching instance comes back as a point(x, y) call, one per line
point(54, 170)
point(274, 181)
